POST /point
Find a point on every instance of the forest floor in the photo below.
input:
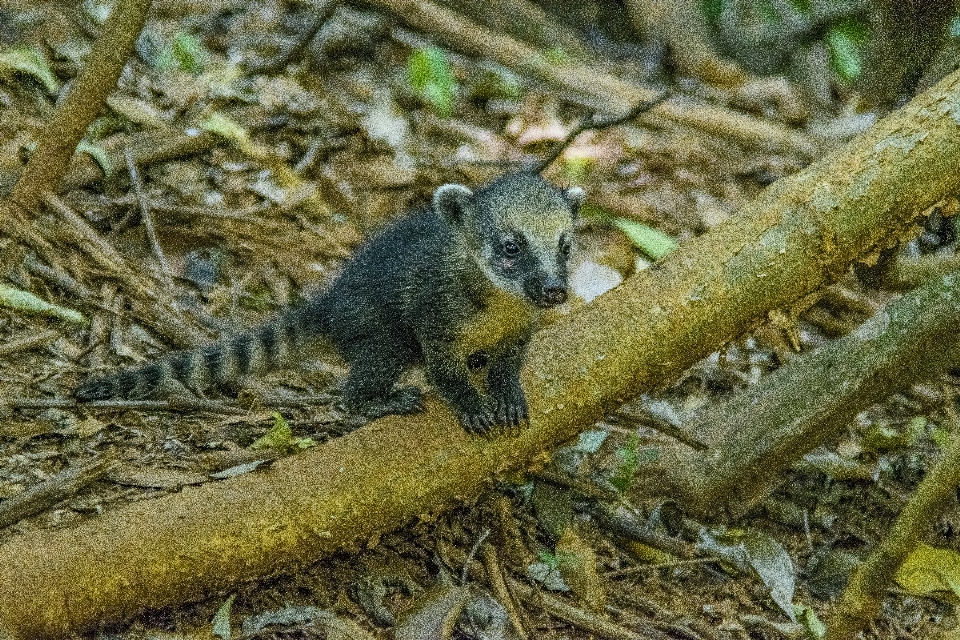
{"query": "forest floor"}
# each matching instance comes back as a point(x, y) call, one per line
point(364, 144)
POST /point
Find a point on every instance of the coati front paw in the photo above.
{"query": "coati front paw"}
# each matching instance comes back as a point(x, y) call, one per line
point(512, 410)
point(511, 405)
point(479, 417)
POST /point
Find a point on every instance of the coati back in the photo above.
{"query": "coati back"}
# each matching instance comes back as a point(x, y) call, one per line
point(472, 273)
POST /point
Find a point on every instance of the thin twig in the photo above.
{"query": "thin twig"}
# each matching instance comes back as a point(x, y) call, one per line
point(174, 404)
point(101, 327)
point(27, 343)
point(171, 404)
point(279, 62)
point(588, 489)
point(640, 568)
point(58, 278)
point(98, 248)
point(246, 214)
point(589, 622)
point(147, 220)
point(637, 415)
point(54, 490)
point(592, 124)
point(491, 562)
point(473, 552)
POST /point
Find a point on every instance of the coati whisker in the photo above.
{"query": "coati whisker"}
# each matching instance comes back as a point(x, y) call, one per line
point(470, 274)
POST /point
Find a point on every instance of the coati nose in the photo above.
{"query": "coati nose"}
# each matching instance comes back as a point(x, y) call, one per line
point(554, 295)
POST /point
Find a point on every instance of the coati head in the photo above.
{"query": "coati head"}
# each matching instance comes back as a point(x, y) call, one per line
point(519, 230)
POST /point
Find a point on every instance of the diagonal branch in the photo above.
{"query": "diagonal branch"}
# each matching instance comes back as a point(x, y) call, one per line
point(84, 102)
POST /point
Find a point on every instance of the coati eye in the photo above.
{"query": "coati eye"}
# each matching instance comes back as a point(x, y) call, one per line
point(565, 246)
point(510, 247)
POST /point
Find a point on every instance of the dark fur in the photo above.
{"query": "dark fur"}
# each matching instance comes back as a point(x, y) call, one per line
point(408, 296)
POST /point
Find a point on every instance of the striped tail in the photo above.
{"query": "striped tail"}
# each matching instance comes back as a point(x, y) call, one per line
point(269, 346)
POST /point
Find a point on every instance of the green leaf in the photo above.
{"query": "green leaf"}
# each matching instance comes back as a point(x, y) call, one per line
point(432, 79)
point(930, 571)
point(280, 437)
point(98, 154)
point(26, 301)
point(576, 168)
point(221, 620)
point(846, 41)
point(556, 55)
point(226, 128)
point(189, 53)
point(32, 63)
point(807, 617)
point(711, 9)
point(629, 457)
point(652, 242)
point(547, 573)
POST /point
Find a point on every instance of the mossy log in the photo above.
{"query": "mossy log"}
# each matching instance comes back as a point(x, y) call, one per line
point(801, 233)
point(760, 433)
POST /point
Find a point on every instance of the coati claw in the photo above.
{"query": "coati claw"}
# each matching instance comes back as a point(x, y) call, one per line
point(480, 420)
point(512, 413)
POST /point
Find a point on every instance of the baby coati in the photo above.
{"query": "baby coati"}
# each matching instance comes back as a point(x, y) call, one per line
point(469, 275)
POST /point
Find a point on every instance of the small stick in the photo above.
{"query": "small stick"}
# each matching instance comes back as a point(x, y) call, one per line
point(147, 220)
point(97, 247)
point(585, 620)
point(100, 327)
point(279, 62)
point(56, 489)
point(473, 552)
point(24, 344)
point(58, 278)
point(500, 590)
point(172, 404)
point(588, 489)
point(640, 568)
point(176, 404)
point(591, 123)
point(246, 214)
point(662, 426)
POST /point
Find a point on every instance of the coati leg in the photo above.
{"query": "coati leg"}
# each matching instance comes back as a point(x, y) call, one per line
point(503, 381)
point(450, 375)
point(369, 388)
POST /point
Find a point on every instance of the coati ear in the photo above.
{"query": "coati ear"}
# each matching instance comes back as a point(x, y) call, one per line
point(575, 196)
point(453, 203)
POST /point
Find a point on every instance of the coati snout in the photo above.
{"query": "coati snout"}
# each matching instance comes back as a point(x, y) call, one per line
point(519, 229)
point(434, 288)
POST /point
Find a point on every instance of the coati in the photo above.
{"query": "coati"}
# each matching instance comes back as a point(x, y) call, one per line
point(469, 274)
